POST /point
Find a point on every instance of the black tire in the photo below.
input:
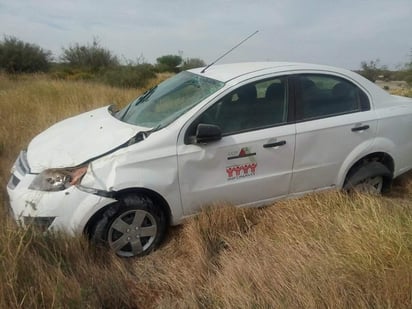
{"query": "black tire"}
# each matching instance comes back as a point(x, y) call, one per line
point(372, 177)
point(133, 226)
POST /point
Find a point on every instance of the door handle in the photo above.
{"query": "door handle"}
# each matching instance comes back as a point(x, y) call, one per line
point(275, 144)
point(361, 128)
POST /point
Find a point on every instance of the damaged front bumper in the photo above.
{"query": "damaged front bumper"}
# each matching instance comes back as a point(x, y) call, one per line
point(67, 210)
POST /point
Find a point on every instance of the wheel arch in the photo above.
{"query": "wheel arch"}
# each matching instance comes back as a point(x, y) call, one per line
point(154, 196)
point(381, 157)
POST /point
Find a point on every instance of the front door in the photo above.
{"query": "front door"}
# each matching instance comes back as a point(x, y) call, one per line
point(252, 163)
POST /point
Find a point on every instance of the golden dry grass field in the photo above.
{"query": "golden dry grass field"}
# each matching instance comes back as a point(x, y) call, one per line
point(326, 250)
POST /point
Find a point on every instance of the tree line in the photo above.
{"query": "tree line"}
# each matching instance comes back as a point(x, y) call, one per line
point(374, 70)
point(89, 61)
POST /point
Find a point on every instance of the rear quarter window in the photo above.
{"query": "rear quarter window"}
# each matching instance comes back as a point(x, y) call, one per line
point(321, 96)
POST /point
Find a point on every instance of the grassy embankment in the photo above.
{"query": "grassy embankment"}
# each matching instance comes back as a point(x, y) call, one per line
point(323, 250)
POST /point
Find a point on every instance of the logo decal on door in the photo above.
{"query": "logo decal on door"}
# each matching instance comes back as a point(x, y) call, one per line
point(243, 153)
point(248, 168)
point(240, 171)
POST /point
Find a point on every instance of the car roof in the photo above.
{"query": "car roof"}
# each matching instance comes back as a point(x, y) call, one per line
point(227, 72)
point(245, 70)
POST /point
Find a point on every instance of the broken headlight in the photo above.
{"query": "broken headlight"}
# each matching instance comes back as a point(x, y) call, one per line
point(58, 179)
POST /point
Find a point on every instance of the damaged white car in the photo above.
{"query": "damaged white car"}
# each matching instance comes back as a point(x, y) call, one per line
point(246, 133)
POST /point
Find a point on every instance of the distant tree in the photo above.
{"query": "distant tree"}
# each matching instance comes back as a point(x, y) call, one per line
point(129, 76)
point(372, 69)
point(191, 63)
point(169, 63)
point(91, 57)
point(17, 56)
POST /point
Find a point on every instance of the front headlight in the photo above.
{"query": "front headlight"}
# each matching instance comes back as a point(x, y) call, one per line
point(58, 179)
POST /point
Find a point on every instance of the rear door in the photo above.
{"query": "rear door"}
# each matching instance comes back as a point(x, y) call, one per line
point(334, 119)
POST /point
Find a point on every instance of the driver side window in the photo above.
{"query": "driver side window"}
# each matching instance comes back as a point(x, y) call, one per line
point(256, 105)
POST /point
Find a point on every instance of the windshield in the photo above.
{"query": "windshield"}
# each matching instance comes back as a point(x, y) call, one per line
point(169, 100)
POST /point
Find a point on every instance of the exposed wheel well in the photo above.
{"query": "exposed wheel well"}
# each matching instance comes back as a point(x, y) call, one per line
point(154, 196)
point(380, 157)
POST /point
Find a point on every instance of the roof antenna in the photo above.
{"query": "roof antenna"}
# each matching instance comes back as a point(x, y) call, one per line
point(244, 40)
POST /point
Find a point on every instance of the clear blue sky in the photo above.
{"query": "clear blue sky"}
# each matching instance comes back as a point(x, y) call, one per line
point(340, 33)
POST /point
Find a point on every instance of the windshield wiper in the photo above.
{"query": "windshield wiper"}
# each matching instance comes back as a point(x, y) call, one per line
point(142, 98)
point(145, 95)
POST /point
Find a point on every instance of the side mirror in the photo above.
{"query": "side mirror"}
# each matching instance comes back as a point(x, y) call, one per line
point(208, 133)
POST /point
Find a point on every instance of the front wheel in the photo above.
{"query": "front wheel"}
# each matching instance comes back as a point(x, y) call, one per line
point(134, 226)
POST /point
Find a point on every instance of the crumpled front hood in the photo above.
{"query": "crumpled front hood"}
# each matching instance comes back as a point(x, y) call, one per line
point(77, 139)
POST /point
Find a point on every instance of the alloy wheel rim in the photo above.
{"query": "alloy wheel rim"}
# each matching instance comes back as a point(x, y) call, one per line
point(132, 233)
point(372, 185)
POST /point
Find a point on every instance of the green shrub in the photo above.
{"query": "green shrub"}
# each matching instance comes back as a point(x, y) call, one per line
point(408, 76)
point(191, 63)
point(372, 69)
point(17, 56)
point(169, 63)
point(129, 76)
point(90, 57)
point(405, 75)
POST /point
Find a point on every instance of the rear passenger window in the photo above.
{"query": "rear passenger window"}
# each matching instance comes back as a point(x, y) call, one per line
point(325, 96)
point(249, 107)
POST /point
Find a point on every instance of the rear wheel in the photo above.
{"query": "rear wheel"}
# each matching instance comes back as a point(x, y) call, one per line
point(371, 185)
point(371, 178)
point(134, 226)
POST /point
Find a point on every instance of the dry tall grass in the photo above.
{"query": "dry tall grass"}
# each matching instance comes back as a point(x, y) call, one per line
point(323, 250)
point(406, 92)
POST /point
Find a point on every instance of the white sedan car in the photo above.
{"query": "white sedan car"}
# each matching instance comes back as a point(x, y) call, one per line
point(246, 133)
